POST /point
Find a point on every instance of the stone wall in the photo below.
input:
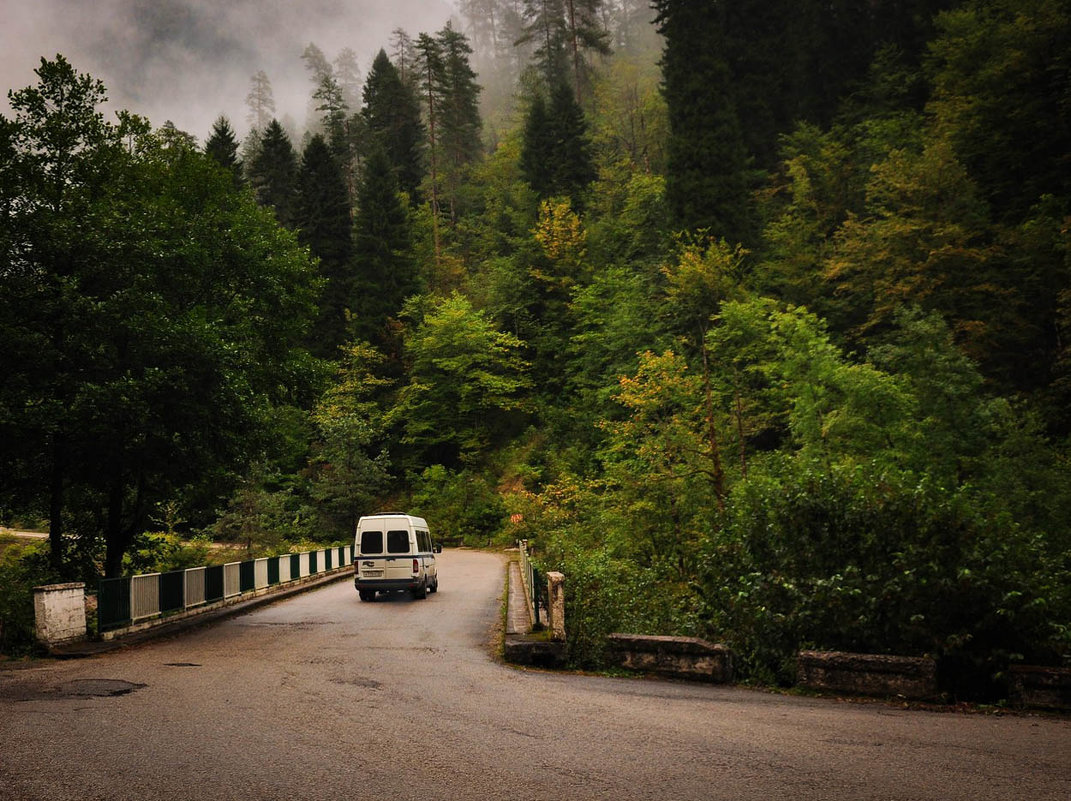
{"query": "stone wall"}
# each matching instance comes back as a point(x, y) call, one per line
point(1040, 687)
point(868, 674)
point(676, 657)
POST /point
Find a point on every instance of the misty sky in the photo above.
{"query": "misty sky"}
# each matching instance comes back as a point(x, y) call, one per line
point(189, 61)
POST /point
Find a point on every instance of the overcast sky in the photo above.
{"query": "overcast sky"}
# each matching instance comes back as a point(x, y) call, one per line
point(189, 61)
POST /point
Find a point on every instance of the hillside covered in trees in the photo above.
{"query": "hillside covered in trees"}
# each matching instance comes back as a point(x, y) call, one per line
point(754, 317)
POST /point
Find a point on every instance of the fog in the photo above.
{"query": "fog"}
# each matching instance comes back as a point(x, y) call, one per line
point(188, 61)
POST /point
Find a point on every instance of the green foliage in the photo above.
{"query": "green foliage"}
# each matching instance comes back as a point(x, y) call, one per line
point(872, 560)
point(466, 380)
point(22, 567)
point(160, 552)
point(385, 270)
point(349, 466)
point(160, 313)
point(556, 154)
point(392, 118)
point(273, 173)
point(465, 508)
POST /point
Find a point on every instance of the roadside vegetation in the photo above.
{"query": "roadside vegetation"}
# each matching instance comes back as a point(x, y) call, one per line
point(753, 320)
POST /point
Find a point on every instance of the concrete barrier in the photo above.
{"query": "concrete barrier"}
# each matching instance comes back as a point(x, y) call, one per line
point(60, 613)
point(676, 657)
point(1040, 687)
point(914, 678)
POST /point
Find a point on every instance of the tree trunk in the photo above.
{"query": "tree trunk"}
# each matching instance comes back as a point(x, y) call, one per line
point(55, 508)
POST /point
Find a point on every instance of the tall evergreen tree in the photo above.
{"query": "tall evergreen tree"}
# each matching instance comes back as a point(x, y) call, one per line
point(545, 30)
point(429, 59)
point(585, 33)
point(386, 272)
point(222, 145)
point(273, 173)
point(556, 154)
point(392, 118)
point(260, 101)
point(706, 183)
point(348, 76)
point(460, 102)
point(324, 226)
point(460, 117)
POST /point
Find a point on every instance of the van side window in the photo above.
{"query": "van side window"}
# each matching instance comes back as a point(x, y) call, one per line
point(397, 542)
point(423, 541)
point(371, 542)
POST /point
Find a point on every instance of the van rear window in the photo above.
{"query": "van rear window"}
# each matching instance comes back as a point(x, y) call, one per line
point(371, 542)
point(397, 542)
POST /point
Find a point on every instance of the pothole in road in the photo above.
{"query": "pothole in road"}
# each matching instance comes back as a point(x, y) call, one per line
point(97, 688)
point(182, 664)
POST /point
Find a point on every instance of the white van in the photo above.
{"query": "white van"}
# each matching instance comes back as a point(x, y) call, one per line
point(394, 552)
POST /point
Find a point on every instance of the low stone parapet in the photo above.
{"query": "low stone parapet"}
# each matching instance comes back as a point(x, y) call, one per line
point(908, 677)
point(1040, 687)
point(676, 657)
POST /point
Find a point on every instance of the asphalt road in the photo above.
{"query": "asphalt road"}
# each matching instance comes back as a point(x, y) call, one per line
point(324, 697)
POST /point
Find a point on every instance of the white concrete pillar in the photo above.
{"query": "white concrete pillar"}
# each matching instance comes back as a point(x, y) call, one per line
point(556, 605)
point(60, 612)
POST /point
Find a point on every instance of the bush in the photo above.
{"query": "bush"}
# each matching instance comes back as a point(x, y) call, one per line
point(21, 569)
point(606, 594)
point(854, 559)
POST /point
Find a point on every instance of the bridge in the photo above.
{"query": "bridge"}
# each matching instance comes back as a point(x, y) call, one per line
point(319, 696)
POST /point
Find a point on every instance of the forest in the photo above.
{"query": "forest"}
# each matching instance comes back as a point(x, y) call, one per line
point(754, 318)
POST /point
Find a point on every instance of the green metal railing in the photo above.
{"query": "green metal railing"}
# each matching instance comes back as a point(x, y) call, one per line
point(132, 599)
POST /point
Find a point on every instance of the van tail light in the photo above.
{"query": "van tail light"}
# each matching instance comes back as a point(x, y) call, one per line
point(416, 566)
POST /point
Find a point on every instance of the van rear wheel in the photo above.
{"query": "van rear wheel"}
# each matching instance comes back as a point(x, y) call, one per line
point(421, 591)
point(367, 595)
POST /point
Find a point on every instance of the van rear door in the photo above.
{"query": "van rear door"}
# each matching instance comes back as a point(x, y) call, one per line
point(370, 554)
point(398, 563)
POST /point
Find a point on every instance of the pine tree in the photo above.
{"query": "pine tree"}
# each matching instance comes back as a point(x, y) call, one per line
point(404, 57)
point(323, 220)
point(260, 101)
point(392, 119)
point(385, 269)
point(585, 33)
point(348, 77)
point(429, 55)
point(706, 184)
point(556, 152)
point(545, 30)
point(460, 113)
point(223, 147)
point(460, 103)
point(273, 173)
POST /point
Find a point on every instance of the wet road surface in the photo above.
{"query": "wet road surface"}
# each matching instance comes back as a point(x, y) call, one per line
point(322, 696)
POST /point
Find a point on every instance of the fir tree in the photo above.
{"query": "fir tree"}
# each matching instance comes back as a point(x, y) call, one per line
point(706, 185)
point(273, 173)
point(385, 269)
point(323, 220)
point(392, 119)
point(460, 123)
point(222, 145)
point(556, 151)
point(260, 101)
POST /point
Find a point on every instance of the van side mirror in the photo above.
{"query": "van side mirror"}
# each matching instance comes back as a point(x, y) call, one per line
point(438, 547)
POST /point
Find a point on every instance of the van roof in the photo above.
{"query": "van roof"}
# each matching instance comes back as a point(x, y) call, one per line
point(417, 521)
